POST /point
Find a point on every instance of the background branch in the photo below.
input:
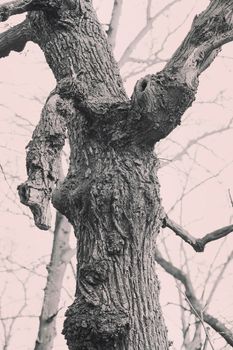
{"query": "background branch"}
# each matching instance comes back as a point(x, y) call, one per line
point(56, 270)
point(192, 299)
point(198, 244)
point(145, 30)
point(114, 22)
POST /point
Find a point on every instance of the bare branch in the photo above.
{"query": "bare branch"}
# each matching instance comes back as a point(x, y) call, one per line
point(43, 161)
point(154, 57)
point(195, 141)
point(198, 244)
point(230, 197)
point(113, 26)
point(20, 6)
point(210, 30)
point(200, 317)
point(8, 330)
point(56, 270)
point(150, 20)
point(196, 308)
point(210, 271)
point(218, 279)
point(14, 39)
point(201, 183)
point(163, 98)
point(148, 10)
point(195, 343)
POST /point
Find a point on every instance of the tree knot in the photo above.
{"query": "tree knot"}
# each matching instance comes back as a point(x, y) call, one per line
point(95, 272)
point(70, 87)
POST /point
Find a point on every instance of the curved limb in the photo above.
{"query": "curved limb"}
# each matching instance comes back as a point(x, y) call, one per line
point(15, 38)
point(16, 7)
point(162, 99)
point(198, 244)
point(43, 161)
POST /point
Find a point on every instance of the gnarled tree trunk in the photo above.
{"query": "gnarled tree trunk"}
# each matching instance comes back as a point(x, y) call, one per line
point(111, 192)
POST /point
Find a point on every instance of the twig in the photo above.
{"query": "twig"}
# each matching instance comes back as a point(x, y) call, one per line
point(213, 322)
point(198, 244)
point(200, 317)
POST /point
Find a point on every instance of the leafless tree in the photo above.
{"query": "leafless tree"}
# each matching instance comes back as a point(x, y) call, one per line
point(111, 193)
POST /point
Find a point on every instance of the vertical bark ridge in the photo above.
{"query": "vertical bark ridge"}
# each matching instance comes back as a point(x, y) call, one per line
point(116, 234)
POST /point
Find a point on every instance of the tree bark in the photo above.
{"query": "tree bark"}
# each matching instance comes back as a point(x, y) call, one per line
point(14, 39)
point(111, 192)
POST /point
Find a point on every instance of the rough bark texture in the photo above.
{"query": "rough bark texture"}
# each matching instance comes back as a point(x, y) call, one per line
point(116, 214)
point(14, 39)
point(43, 162)
point(111, 192)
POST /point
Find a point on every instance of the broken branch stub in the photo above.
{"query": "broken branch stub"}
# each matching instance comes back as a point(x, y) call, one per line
point(43, 162)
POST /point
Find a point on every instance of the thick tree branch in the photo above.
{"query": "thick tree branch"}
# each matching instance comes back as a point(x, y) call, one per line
point(198, 244)
point(163, 98)
point(43, 161)
point(197, 309)
point(20, 6)
point(114, 22)
point(210, 30)
point(14, 39)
